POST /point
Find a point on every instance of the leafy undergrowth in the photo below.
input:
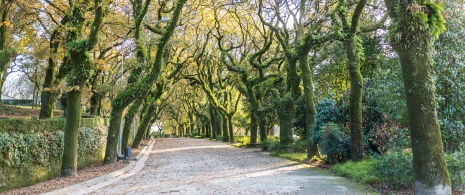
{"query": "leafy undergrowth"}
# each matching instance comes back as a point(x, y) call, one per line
point(23, 112)
point(358, 171)
point(292, 156)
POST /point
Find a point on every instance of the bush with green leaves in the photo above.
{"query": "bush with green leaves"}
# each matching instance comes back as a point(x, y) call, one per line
point(334, 143)
point(453, 134)
point(28, 158)
point(395, 169)
point(456, 166)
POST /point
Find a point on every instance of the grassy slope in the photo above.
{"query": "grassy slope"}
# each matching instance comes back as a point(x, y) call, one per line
point(7, 111)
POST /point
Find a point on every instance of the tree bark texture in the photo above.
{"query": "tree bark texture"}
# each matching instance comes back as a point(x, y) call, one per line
point(412, 38)
point(73, 121)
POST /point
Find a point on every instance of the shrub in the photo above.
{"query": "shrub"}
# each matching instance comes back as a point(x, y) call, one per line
point(456, 165)
point(334, 143)
point(453, 134)
point(359, 171)
point(28, 158)
point(300, 145)
point(395, 169)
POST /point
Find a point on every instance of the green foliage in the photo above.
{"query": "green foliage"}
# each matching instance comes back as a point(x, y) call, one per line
point(453, 135)
point(21, 153)
point(242, 139)
point(270, 145)
point(395, 169)
point(359, 171)
point(456, 166)
point(334, 143)
point(45, 125)
point(298, 156)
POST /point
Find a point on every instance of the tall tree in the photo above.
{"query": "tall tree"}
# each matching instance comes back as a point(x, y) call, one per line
point(78, 46)
point(415, 26)
point(6, 54)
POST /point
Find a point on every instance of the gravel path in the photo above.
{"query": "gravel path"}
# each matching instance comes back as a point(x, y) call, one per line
point(196, 166)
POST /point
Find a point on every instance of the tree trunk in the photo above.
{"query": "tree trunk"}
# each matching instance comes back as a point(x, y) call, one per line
point(307, 74)
point(144, 123)
point(355, 102)
point(415, 49)
point(214, 128)
point(231, 130)
point(262, 126)
point(286, 115)
point(73, 121)
point(128, 119)
point(225, 129)
point(112, 137)
point(95, 101)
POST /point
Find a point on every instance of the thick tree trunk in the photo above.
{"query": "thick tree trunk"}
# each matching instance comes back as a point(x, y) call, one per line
point(115, 123)
point(128, 120)
point(73, 121)
point(310, 111)
point(415, 49)
point(286, 113)
point(355, 102)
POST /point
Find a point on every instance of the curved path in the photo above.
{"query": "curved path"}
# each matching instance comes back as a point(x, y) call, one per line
point(196, 166)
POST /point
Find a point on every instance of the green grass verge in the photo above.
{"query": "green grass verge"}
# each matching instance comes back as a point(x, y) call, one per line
point(358, 171)
point(292, 156)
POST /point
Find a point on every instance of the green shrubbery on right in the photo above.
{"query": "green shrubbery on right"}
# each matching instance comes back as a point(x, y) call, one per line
point(395, 170)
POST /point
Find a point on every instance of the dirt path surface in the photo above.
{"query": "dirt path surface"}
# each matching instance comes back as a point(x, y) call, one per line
point(196, 166)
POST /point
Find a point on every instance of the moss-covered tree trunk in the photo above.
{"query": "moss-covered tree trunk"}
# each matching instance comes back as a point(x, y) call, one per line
point(285, 117)
point(230, 129)
point(356, 80)
point(416, 25)
point(262, 125)
point(253, 115)
point(214, 124)
point(73, 121)
point(5, 54)
point(49, 95)
point(128, 120)
point(79, 49)
point(225, 129)
point(144, 123)
point(310, 110)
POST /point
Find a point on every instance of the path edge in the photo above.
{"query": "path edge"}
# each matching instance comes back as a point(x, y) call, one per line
point(79, 187)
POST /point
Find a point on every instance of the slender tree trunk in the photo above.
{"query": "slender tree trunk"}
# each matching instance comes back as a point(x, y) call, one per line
point(214, 128)
point(208, 129)
point(230, 128)
point(128, 119)
point(225, 129)
point(144, 123)
point(415, 49)
point(262, 126)
point(73, 121)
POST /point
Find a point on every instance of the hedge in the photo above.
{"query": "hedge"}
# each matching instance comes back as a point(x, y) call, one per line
point(45, 125)
point(29, 158)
